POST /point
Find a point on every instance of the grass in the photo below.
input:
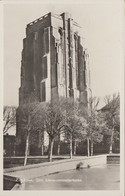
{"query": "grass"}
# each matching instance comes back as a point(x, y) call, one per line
point(10, 163)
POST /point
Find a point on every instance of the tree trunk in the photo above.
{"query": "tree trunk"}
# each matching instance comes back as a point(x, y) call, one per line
point(88, 147)
point(28, 153)
point(70, 148)
point(42, 145)
point(58, 147)
point(91, 147)
point(110, 148)
point(14, 151)
point(42, 150)
point(74, 151)
point(26, 148)
point(51, 142)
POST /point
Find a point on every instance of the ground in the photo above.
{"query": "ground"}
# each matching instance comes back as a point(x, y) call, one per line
point(96, 178)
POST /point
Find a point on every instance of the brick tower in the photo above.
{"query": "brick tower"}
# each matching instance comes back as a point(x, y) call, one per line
point(54, 62)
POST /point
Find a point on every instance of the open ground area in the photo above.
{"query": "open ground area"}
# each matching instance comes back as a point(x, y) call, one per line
point(100, 172)
point(96, 178)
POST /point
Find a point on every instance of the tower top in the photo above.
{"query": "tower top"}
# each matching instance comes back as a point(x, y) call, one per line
point(64, 15)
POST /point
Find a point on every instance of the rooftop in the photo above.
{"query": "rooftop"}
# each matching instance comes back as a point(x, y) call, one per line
point(53, 15)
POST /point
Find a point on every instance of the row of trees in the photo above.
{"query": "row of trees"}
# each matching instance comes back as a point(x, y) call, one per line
point(72, 119)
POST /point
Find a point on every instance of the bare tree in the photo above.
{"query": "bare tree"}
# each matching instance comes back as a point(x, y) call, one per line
point(111, 116)
point(73, 124)
point(49, 117)
point(9, 118)
point(58, 117)
point(92, 125)
point(52, 121)
point(29, 122)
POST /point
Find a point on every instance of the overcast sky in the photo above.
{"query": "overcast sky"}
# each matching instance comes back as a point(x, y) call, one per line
point(101, 23)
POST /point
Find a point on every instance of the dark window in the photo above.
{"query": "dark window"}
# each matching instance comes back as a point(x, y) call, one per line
point(85, 78)
point(71, 93)
point(70, 77)
point(44, 67)
point(76, 60)
point(46, 40)
point(43, 91)
point(60, 31)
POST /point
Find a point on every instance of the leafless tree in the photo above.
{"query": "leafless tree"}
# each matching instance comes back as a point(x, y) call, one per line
point(58, 117)
point(111, 116)
point(73, 124)
point(28, 122)
point(93, 125)
point(52, 121)
point(9, 118)
point(49, 117)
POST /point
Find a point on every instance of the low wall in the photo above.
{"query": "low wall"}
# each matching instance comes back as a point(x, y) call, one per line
point(22, 174)
point(113, 159)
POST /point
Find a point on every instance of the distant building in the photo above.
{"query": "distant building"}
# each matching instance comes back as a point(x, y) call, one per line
point(112, 111)
point(9, 145)
point(54, 62)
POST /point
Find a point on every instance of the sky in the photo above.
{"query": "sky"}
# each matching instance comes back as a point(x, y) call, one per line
point(101, 31)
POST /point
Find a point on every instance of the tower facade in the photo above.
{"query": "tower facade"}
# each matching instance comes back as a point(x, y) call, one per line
point(54, 62)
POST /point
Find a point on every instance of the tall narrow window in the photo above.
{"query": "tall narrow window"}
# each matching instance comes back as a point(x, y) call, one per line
point(76, 60)
point(36, 35)
point(85, 77)
point(46, 40)
point(44, 67)
point(43, 92)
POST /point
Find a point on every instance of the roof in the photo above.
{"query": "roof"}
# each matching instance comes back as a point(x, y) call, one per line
point(115, 103)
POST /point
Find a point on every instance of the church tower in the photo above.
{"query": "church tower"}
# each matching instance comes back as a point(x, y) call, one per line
point(54, 63)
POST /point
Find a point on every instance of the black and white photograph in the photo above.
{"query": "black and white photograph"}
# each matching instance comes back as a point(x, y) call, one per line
point(62, 108)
